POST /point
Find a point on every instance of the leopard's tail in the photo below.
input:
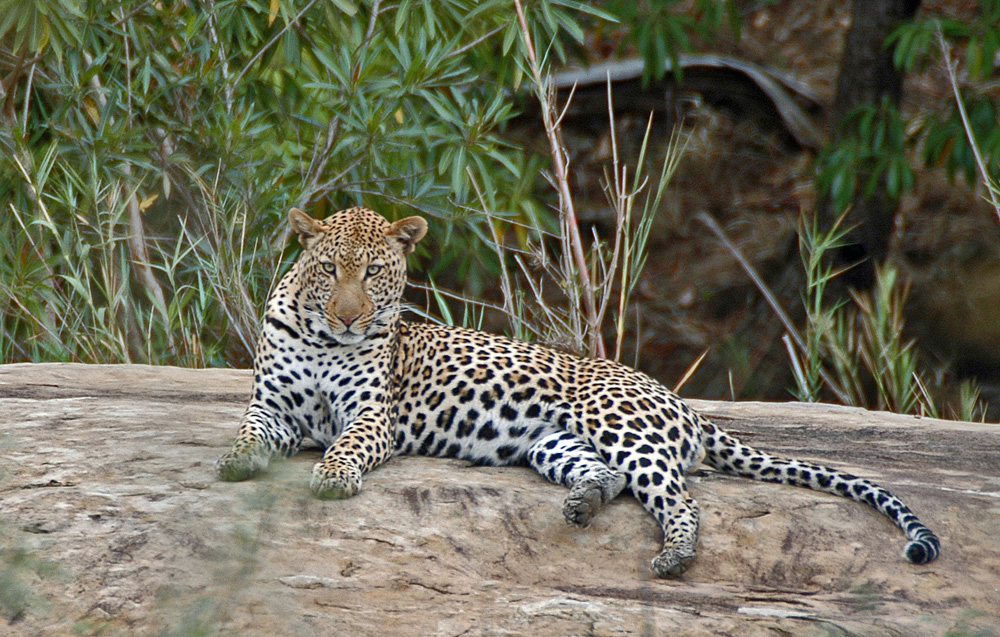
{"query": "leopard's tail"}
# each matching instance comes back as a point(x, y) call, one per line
point(729, 455)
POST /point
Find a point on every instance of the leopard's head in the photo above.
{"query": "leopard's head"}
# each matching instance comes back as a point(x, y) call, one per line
point(353, 268)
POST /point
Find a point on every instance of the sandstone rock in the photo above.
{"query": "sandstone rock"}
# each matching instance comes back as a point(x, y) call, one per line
point(111, 521)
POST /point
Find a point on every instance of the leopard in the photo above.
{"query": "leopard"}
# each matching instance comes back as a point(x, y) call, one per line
point(337, 364)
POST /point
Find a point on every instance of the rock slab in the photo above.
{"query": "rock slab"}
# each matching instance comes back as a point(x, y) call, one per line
point(112, 522)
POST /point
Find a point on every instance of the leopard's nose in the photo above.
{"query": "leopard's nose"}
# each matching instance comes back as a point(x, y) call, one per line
point(347, 320)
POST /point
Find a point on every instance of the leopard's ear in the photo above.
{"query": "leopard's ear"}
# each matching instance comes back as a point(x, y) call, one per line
point(406, 233)
point(308, 229)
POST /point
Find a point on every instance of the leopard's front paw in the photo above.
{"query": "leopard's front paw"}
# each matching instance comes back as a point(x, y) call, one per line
point(335, 480)
point(240, 465)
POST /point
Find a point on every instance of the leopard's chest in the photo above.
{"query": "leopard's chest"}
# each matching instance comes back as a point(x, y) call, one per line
point(321, 387)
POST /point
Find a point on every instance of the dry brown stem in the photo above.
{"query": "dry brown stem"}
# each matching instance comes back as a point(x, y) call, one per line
point(567, 211)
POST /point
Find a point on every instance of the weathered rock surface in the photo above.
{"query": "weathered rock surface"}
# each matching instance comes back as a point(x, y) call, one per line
point(111, 521)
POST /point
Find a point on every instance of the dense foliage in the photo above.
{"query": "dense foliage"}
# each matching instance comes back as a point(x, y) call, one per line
point(876, 140)
point(150, 150)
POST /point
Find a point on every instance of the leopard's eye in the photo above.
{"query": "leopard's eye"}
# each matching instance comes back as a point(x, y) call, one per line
point(374, 269)
point(329, 268)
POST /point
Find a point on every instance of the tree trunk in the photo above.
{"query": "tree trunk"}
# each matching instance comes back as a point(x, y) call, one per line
point(867, 75)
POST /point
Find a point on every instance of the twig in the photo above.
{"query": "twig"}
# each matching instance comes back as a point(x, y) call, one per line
point(125, 18)
point(371, 25)
point(505, 281)
point(455, 296)
point(771, 300)
point(369, 33)
point(137, 234)
point(471, 45)
point(946, 53)
point(623, 210)
point(213, 30)
point(317, 165)
point(797, 371)
point(128, 68)
point(232, 85)
point(546, 97)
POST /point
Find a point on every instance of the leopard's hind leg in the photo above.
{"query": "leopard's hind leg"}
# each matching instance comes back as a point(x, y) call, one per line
point(667, 500)
point(647, 433)
point(565, 459)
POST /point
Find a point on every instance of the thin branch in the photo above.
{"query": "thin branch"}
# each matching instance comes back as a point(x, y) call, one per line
point(569, 100)
point(471, 45)
point(546, 96)
point(622, 203)
point(513, 222)
point(122, 20)
point(689, 372)
point(319, 161)
point(128, 68)
point(371, 25)
point(557, 322)
point(213, 23)
point(505, 281)
point(976, 152)
point(454, 295)
point(369, 32)
point(771, 300)
point(232, 85)
point(137, 234)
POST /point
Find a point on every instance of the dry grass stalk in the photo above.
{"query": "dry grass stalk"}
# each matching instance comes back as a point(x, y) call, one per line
point(567, 211)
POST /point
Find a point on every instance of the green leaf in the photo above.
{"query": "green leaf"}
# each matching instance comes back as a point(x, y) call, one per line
point(402, 15)
point(347, 6)
point(588, 9)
